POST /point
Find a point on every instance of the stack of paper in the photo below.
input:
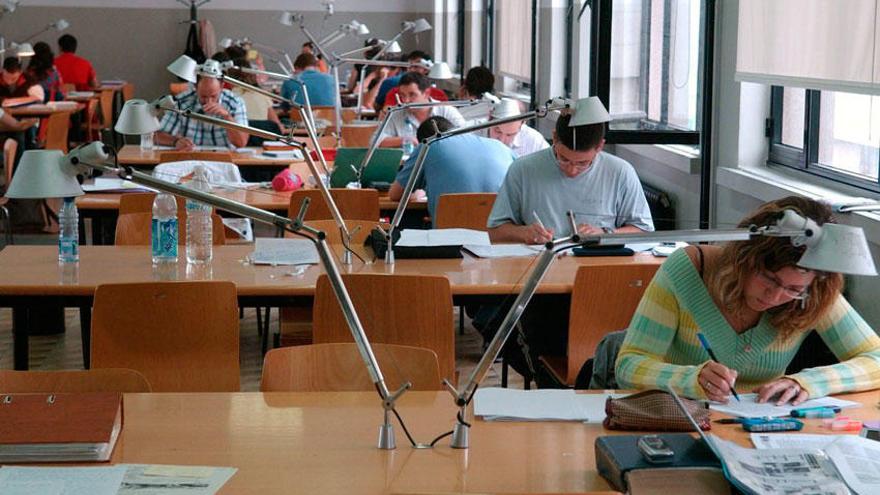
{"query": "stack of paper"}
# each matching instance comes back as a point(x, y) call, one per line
point(442, 237)
point(114, 185)
point(506, 404)
point(270, 251)
point(748, 408)
point(502, 250)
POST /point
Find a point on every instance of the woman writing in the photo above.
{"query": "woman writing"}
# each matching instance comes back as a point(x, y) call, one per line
point(755, 306)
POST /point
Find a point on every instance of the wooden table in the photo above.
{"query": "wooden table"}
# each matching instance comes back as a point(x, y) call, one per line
point(325, 442)
point(253, 167)
point(43, 110)
point(32, 278)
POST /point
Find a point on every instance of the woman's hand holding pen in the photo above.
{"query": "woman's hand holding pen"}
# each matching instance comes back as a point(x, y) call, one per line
point(717, 381)
point(785, 389)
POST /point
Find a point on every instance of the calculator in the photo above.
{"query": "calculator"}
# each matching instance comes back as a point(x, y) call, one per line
point(771, 424)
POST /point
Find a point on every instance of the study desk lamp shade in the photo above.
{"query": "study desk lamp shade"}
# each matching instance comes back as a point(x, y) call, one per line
point(839, 249)
point(40, 175)
point(289, 18)
point(506, 107)
point(440, 70)
point(589, 111)
point(61, 24)
point(421, 25)
point(211, 68)
point(184, 67)
point(394, 48)
point(225, 43)
point(359, 28)
point(24, 50)
point(136, 117)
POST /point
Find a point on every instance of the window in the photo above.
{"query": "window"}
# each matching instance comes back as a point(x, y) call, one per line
point(513, 44)
point(832, 134)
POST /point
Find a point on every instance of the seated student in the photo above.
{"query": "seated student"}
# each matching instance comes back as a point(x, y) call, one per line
point(520, 138)
point(401, 127)
point(375, 79)
point(321, 88)
point(309, 47)
point(208, 98)
point(42, 69)
point(478, 81)
point(259, 106)
point(459, 164)
point(602, 190)
point(420, 62)
point(74, 69)
point(755, 306)
point(16, 84)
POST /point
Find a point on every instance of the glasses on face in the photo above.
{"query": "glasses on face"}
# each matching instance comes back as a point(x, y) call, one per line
point(568, 163)
point(770, 280)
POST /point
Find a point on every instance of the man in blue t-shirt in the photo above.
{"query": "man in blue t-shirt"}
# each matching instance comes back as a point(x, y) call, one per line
point(459, 164)
point(321, 87)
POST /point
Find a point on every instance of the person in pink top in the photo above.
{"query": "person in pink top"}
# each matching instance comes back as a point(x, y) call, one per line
point(74, 69)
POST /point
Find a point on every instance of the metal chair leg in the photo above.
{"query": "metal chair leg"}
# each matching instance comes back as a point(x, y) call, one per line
point(8, 227)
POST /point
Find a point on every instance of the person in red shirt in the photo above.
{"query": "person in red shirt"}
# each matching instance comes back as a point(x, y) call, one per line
point(74, 70)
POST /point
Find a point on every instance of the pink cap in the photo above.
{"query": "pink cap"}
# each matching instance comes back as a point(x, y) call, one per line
point(286, 181)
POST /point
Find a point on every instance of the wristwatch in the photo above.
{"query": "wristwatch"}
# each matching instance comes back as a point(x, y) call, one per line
point(607, 230)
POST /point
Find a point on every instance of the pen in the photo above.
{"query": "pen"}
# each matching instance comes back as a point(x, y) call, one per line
point(538, 220)
point(705, 344)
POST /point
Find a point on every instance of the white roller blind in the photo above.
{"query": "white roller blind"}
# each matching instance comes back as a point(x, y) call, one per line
point(815, 44)
point(513, 38)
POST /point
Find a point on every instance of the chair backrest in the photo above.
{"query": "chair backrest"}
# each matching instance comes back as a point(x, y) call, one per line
point(142, 203)
point(180, 156)
point(412, 310)
point(357, 136)
point(106, 100)
point(362, 228)
point(57, 126)
point(177, 88)
point(591, 315)
point(383, 166)
point(218, 172)
point(463, 210)
point(339, 368)
point(134, 229)
point(353, 204)
point(127, 91)
point(74, 381)
point(183, 336)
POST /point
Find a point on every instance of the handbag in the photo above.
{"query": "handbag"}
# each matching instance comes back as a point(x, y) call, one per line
point(653, 410)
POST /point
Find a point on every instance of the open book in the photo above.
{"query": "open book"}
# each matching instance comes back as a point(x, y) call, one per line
point(850, 464)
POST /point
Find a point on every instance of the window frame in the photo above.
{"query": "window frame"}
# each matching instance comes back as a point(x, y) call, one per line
point(506, 84)
point(806, 160)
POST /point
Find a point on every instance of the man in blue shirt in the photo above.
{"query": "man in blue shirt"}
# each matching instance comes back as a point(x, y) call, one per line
point(321, 87)
point(459, 164)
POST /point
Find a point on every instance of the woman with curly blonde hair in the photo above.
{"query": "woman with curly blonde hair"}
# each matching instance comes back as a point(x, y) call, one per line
point(755, 306)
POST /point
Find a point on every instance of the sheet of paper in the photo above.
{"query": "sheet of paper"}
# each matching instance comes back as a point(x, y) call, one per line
point(271, 251)
point(502, 250)
point(506, 404)
point(858, 461)
point(792, 441)
point(442, 237)
point(152, 479)
point(74, 480)
point(33, 488)
point(748, 408)
point(110, 184)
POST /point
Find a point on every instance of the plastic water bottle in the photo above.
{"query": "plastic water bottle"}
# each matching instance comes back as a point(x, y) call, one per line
point(164, 229)
point(199, 236)
point(409, 131)
point(68, 236)
point(147, 141)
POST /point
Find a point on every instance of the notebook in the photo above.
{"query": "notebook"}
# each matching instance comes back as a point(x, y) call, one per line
point(383, 166)
point(59, 427)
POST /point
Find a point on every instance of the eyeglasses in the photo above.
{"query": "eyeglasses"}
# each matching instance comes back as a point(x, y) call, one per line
point(771, 281)
point(568, 163)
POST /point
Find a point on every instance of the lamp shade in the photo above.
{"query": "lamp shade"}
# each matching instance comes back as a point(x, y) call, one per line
point(25, 50)
point(40, 175)
point(440, 70)
point(394, 47)
point(136, 117)
point(211, 68)
point(225, 43)
point(839, 249)
point(420, 25)
point(589, 111)
point(61, 24)
point(506, 107)
point(184, 67)
point(362, 29)
point(288, 18)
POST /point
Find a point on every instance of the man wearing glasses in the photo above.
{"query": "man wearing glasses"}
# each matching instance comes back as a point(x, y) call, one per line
point(574, 174)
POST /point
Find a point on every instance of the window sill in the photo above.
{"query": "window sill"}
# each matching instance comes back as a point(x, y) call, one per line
point(685, 159)
point(766, 184)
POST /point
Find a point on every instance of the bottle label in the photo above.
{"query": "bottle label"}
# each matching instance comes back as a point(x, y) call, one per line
point(164, 238)
point(68, 248)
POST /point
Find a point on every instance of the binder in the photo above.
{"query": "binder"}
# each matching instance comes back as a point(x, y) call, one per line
point(59, 427)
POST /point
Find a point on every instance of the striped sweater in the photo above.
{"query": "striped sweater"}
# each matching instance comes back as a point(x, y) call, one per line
point(661, 349)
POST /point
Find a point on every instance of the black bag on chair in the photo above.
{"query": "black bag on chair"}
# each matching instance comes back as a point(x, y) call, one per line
point(598, 372)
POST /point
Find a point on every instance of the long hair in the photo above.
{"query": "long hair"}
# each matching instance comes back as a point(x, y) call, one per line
point(740, 260)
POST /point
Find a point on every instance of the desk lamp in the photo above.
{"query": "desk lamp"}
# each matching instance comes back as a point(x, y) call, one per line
point(417, 26)
point(59, 25)
point(21, 49)
point(288, 69)
point(394, 48)
point(96, 156)
point(440, 70)
point(588, 105)
point(132, 108)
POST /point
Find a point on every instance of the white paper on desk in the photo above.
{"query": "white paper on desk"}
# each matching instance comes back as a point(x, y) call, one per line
point(502, 250)
point(748, 408)
point(152, 479)
point(33, 488)
point(285, 154)
point(507, 404)
point(442, 237)
point(791, 440)
point(80, 94)
point(74, 480)
point(858, 461)
point(271, 251)
point(112, 184)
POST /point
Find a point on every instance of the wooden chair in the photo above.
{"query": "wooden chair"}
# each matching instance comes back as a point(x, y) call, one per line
point(10, 148)
point(353, 204)
point(592, 316)
point(321, 112)
point(92, 123)
point(325, 142)
point(339, 368)
point(127, 91)
point(74, 381)
point(208, 156)
point(463, 210)
point(348, 115)
point(106, 101)
point(412, 310)
point(360, 228)
point(183, 336)
point(143, 203)
point(177, 88)
point(134, 229)
point(57, 125)
point(357, 136)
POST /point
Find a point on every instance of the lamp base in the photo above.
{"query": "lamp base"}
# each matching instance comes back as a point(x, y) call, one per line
point(386, 437)
point(461, 436)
